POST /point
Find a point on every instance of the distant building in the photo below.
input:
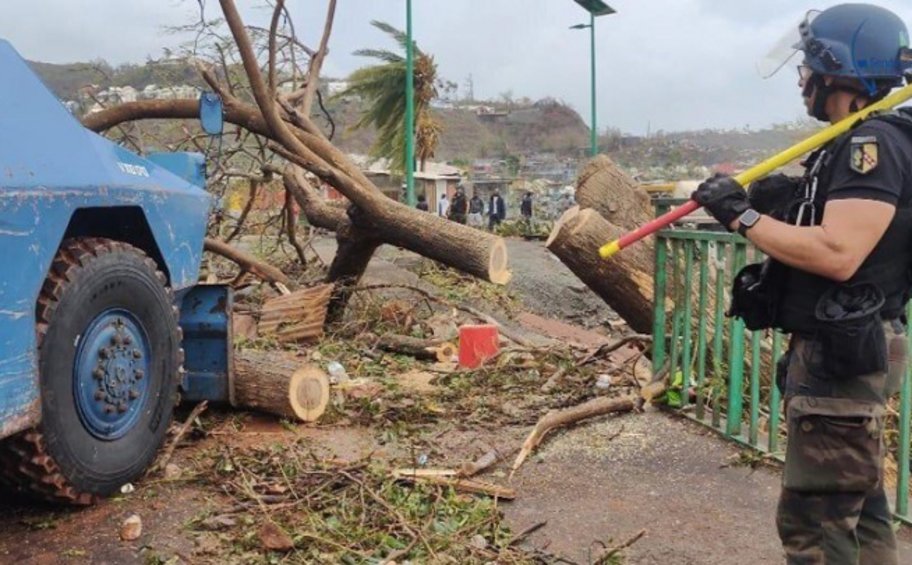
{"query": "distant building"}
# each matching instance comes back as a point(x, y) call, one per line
point(434, 180)
point(334, 87)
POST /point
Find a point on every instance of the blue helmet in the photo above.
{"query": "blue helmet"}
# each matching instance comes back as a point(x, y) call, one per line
point(857, 41)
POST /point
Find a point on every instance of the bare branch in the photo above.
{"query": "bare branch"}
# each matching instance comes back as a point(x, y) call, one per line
point(273, 27)
point(316, 62)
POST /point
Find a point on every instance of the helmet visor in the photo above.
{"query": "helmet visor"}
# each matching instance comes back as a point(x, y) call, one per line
point(784, 50)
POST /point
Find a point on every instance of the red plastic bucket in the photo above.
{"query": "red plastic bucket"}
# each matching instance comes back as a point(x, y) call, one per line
point(477, 344)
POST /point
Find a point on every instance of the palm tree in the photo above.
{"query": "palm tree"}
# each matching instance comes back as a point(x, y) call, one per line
point(382, 87)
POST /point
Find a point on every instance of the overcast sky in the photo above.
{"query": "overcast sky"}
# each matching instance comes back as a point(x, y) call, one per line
point(661, 64)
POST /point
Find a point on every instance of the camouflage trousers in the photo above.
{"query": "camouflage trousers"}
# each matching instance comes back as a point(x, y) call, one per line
point(833, 509)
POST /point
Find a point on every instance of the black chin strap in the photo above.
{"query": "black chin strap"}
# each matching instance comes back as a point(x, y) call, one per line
point(820, 90)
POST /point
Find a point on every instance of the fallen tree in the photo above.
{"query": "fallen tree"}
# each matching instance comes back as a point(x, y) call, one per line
point(372, 219)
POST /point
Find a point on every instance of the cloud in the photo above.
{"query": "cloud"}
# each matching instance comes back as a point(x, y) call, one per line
point(663, 64)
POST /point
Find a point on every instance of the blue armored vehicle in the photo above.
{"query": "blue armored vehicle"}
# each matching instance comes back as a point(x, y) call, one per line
point(102, 324)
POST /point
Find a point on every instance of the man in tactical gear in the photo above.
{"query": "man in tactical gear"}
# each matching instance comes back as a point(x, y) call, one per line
point(840, 246)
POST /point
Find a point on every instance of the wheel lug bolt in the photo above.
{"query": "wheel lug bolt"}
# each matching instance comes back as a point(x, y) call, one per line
point(98, 373)
point(134, 394)
point(127, 340)
point(109, 409)
point(99, 395)
point(116, 339)
point(137, 354)
point(122, 407)
point(139, 374)
point(104, 353)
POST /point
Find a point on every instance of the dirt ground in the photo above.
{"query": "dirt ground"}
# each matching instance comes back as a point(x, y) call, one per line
point(594, 485)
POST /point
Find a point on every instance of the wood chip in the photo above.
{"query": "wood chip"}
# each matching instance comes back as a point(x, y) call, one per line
point(131, 528)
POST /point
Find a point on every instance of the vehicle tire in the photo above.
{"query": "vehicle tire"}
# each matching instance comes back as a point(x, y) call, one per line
point(109, 362)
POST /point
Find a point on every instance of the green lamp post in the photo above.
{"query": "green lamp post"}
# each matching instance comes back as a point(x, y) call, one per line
point(409, 108)
point(595, 8)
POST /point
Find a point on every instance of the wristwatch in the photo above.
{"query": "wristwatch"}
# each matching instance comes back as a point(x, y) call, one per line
point(747, 220)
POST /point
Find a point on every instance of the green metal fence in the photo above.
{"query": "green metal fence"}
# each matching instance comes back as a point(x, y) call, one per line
point(728, 367)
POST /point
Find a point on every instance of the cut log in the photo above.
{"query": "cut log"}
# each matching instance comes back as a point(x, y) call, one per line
point(297, 316)
point(605, 188)
point(423, 349)
point(559, 418)
point(446, 352)
point(279, 383)
point(625, 283)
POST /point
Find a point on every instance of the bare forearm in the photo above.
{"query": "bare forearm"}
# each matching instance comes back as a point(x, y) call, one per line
point(812, 249)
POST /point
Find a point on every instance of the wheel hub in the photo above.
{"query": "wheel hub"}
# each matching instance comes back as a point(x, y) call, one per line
point(110, 374)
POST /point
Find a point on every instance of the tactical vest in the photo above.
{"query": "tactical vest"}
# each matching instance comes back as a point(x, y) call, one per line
point(888, 267)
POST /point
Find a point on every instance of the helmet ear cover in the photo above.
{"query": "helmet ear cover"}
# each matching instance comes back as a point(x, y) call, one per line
point(824, 54)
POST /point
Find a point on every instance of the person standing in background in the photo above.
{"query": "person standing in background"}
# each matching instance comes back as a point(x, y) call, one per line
point(497, 210)
point(476, 209)
point(443, 206)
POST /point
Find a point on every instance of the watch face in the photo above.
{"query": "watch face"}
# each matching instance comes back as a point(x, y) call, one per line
point(749, 218)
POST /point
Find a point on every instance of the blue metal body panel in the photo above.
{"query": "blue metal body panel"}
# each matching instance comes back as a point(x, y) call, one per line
point(189, 166)
point(50, 168)
point(206, 322)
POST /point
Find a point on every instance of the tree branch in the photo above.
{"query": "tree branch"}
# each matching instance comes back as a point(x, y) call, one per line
point(316, 62)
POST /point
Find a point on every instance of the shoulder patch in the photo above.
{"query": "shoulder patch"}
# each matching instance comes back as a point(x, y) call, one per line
point(863, 154)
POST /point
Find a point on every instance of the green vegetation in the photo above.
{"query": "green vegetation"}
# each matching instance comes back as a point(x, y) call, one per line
point(382, 88)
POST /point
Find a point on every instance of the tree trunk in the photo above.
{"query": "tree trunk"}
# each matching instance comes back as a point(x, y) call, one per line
point(358, 235)
point(354, 250)
point(279, 383)
point(603, 187)
point(625, 282)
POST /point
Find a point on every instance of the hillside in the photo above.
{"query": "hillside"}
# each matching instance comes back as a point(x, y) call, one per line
point(468, 133)
point(486, 130)
point(66, 80)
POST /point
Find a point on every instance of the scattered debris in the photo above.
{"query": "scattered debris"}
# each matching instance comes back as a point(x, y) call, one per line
point(448, 478)
point(274, 538)
point(131, 528)
point(169, 451)
point(559, 418)
point(606, 557)
point(481, 464)
point(172, 472)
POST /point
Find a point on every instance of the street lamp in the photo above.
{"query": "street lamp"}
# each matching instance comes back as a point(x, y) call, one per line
point(409, 108)
point(595, 8)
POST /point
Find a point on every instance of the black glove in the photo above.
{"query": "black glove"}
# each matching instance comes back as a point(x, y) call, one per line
point(774, 194)
point(723, 198)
